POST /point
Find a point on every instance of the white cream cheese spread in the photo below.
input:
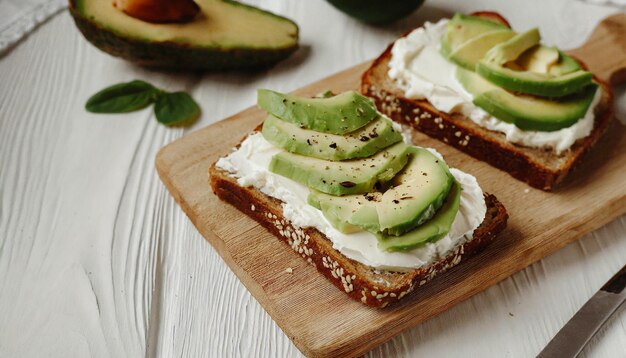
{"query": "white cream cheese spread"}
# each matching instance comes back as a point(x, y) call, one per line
point(422, 72)
point(250, 163)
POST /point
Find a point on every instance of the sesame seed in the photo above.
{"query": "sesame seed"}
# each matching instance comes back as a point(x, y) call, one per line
point(289, 270)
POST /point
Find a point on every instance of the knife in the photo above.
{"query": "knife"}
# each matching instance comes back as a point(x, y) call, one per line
point(576, 333)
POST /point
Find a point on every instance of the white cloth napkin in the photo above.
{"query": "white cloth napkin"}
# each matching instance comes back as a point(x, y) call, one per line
point(21, 17)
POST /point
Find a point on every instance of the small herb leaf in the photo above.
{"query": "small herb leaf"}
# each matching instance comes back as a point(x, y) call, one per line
point(176, 108)
point(122, 97)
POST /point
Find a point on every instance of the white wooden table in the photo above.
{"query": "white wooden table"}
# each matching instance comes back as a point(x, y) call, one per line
point(97, 260)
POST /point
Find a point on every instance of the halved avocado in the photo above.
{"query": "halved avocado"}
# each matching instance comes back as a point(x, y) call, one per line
point(527, 112)
point(224, 35)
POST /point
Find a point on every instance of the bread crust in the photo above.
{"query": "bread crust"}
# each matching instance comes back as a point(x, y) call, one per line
point(540, 168)
point(375, 288)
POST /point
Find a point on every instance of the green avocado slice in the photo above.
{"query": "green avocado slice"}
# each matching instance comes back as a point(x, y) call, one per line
point(355, 176)
point(415, 195)
point(340, 114)
point(462, 28)
point(433, 230)
point(533, 83)
point(565, 65)
point(363, 142)
point(538, 59)
point(224, 35)
point(511, 49)
point(470, 52)
point(527, 112)
point(349, 213)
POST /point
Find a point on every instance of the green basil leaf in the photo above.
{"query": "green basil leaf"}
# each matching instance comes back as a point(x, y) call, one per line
point(122, 97)
point(176, 108)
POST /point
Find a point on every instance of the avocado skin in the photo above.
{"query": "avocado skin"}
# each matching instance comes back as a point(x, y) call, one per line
point(175, 56)
point(376, 11)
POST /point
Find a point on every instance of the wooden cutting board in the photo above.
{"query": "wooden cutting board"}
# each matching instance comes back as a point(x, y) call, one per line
point(320, 319)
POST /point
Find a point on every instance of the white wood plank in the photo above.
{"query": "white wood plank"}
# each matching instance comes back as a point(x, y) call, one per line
point(97, 260)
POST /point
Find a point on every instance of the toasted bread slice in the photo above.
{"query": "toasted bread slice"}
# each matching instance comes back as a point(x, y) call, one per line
point(376, 288)
point(540, 168)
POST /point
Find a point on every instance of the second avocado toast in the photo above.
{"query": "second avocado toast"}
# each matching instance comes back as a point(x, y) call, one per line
point(334, 179)
point(525, 108)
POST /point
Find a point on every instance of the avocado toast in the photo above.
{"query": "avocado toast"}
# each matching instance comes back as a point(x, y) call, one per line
point(377, 216)
point(535, 111)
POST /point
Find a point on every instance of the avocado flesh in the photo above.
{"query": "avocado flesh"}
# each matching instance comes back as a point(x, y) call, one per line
point(511, 49)
point(349, 213)
point(462, 28)
point(527, 112)
point(565, 65)
point(434, 229)
point(416, 194)
point(364, 142)
point(530, 64)
point(340, 114)
point(346, 177)
point(470, 52)
point(225, 35)
point(538, 59)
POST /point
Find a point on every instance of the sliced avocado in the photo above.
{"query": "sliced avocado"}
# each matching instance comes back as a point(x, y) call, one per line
point(363, 142)
point(416, 193)
point(413, 198)
point(346, 177)
point(349, 213)
point(462, 28)
point(340, 114)
point(434, 229)
point(565, 65)
point(470, 52)
point(538, 59)
point(538, 84)
point(520, 65)
point(527, 112)
point(224, 35)
point(511, 49)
